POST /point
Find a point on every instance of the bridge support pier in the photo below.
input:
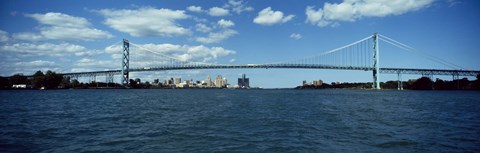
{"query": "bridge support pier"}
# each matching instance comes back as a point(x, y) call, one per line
point(93, 78)
point(109, 78)
point(376, 62)
point(125, 62)
point(399, 81)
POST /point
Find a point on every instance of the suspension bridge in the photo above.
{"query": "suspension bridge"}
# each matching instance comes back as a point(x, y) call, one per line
point(361, 55)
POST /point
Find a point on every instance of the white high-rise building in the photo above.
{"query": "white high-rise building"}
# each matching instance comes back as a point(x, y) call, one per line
point(218, 81)
point(178, 81)
point(209, 81)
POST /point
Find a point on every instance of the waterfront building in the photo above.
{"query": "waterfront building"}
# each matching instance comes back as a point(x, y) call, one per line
point(209, 82)
point(218, 81)
point(181, 85)
point(19, 86)
point(243, 82)
point(168, 82)
point(178, 81)
point(156, 82)
point(225, 83)
point(317, 82)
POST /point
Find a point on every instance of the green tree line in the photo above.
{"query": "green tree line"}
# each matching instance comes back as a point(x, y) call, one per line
point(48, 80)
point(423, 83)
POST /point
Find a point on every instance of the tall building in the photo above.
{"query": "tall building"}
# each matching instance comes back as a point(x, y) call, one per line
point(168, 82)
point(219, 81)
point(178, 80)
point(208, 81)
point(243, 82)
point(224, 82)
point(317, 83)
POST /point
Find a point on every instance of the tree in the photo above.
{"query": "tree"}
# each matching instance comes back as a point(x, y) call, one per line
point(424, 83)
point(18, 79)
point(52, 79)
point(38, 80)
point(476, 84)
point(4, 84)
point(133, 83)
point(65, 83)
point(75, 83)
point(389, 85)
point(464, 83)
point(440, 84)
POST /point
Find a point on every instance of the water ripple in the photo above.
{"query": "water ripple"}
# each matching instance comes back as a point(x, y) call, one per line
point(239, 121)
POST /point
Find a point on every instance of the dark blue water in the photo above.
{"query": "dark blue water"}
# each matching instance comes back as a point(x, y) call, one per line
point(239, 120)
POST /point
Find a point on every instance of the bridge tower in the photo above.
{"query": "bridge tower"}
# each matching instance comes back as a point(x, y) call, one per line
point(125, 62)
point(376, 62)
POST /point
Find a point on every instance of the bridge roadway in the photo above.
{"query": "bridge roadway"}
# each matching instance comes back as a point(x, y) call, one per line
point(287, 66)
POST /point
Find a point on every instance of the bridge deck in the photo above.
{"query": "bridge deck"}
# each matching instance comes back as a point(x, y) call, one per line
point(287, 66)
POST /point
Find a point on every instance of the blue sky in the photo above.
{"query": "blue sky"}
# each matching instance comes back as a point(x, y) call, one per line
point(70, 36)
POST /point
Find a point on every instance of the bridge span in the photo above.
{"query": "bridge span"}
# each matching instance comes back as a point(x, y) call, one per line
point(283, 66)
point(362, 55)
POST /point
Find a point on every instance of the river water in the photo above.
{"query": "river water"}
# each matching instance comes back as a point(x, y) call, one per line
point(221, 120)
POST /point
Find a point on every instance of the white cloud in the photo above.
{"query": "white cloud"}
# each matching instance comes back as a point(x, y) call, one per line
point(145, 58)
point(90, 64)
point(46, 49)
point(36, 64)
point(217, 11)
point(67, 33)
point(4, 36)
point(97, 64)
point(64, 27)
point(225, 23)
point(28, 36)
point(28, 67)
point(60, 19)
point(202, 27)
point(116, 56)
point(113, 49)
point(146, 21)
point(215, 37)
point(183, 53)
point(269, 17)
point(223, 31)
point(197, 9)
point(238, 6)
point(296, 36)
point(452, 3)
point(353, 10)
point(232, 60)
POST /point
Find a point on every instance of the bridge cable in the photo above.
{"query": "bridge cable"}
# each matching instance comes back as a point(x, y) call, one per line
point(435, 60)
point(173, 58)
point(425, 54)
point(327, 52)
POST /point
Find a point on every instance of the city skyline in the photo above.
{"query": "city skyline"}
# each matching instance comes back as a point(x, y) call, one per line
point(208, 82)
point(75, 36)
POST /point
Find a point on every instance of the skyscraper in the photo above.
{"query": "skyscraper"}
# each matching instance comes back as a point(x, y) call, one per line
point(243, 82)
point(218, 81)
point(209, 81)
point(178, 81)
